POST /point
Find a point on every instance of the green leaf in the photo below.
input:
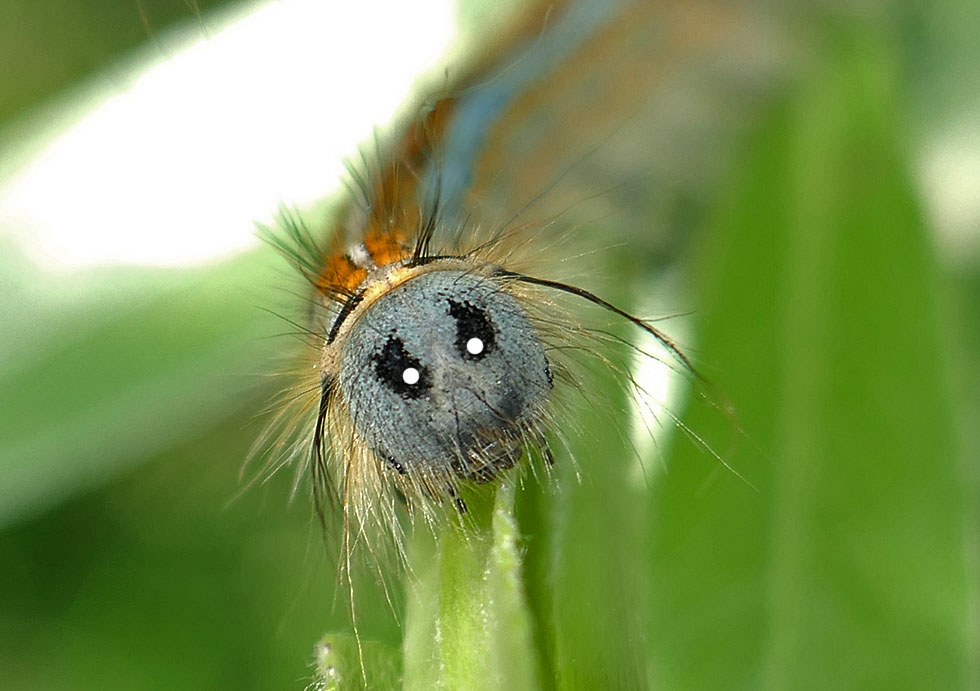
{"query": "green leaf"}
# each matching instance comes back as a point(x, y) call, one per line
point(846, 568)
point(99, 371)
point(47, 48)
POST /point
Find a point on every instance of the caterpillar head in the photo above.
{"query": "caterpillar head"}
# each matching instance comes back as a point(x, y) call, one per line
point(444, 375)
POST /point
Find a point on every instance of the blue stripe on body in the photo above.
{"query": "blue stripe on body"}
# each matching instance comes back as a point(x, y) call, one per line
point(478, 107)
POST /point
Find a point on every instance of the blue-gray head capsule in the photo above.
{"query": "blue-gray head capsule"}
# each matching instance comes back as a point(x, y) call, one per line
point(445, 374)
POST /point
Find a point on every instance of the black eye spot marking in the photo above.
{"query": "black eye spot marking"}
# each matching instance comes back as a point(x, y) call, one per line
point(399, 371)
point(475, 337)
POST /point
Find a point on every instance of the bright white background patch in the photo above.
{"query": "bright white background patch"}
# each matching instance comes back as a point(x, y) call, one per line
point(474, 346)
point(949, 171)
point(176, 164)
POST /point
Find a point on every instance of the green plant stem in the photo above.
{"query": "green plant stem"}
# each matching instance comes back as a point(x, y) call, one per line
point(467, 624)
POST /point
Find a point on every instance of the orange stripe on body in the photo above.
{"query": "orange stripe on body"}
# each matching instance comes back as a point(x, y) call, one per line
point(340, 276)
point(394, 216)
point(388, 248)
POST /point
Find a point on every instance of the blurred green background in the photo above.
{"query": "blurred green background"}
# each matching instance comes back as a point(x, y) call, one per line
point(835, 275)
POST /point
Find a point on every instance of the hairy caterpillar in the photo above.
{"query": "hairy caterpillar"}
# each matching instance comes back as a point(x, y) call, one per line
point(443, 334)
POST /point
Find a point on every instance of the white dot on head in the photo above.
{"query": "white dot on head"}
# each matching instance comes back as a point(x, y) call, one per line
point(410, 376)
point(474, 346)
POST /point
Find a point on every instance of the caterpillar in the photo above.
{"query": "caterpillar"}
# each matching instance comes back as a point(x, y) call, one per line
point(442, 336)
